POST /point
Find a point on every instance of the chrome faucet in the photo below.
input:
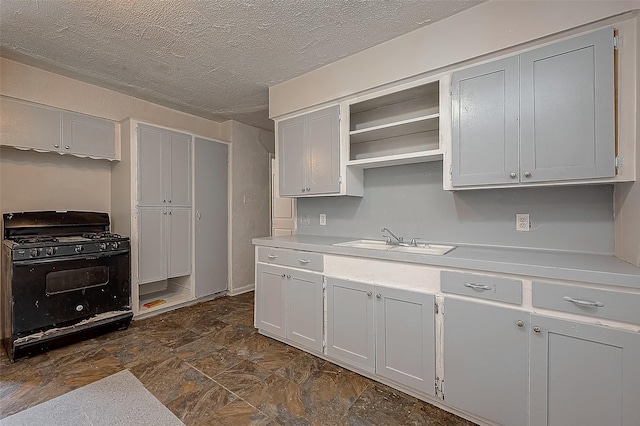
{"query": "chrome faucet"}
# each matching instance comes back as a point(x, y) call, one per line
point(399, 240)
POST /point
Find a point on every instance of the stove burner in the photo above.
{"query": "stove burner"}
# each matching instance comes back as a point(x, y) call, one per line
point(100, 235)
point(36, 239)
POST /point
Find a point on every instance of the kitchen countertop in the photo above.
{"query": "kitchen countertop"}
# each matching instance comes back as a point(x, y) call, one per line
point(559, 265)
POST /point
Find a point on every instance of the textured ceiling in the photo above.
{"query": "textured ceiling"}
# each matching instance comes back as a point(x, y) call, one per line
point(214, 59)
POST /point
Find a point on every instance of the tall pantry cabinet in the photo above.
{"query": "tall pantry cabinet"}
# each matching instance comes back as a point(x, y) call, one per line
point(153, 202)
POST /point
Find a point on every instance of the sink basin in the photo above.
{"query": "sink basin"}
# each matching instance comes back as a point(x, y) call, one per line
point(420, 248)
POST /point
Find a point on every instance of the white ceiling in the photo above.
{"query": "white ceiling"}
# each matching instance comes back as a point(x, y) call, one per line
point(215, 59)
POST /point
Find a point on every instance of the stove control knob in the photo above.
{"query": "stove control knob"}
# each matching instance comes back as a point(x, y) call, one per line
point(35, 252)
point(78, 249)
point(115, 245)
point(51, 251)
point(103, 246)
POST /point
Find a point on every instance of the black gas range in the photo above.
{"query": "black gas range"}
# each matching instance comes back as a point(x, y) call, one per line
point(65, 277)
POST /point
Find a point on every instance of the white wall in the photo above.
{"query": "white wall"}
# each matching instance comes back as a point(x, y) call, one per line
point(43, 181)
point(250, 148)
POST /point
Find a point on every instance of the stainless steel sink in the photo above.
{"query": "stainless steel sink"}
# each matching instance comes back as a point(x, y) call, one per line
point(419, 248)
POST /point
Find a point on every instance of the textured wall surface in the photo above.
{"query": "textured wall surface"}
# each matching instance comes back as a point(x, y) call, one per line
point(411, 202)
point(209, 58)
point(250, 149)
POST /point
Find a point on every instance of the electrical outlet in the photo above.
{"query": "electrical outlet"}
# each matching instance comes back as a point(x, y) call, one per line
point(522, 222)
point(323, 219)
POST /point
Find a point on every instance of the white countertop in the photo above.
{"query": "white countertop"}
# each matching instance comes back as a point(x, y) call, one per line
point(560, 265)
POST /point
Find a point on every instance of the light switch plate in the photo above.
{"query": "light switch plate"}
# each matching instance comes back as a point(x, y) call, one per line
point(522, 222)
point(323, 219)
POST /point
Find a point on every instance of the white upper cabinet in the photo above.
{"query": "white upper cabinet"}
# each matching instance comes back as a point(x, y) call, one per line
point(546, 115)
point(396, 126)
point(85, 135)
point(26, 125)
point(485, 124)
point(164, 167)
point(309, 154)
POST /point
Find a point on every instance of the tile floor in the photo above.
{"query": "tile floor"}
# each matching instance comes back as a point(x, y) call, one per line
point(209, 366)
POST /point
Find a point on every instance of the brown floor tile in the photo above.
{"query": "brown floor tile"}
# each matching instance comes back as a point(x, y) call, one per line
point(199, 408)
point(208, 365)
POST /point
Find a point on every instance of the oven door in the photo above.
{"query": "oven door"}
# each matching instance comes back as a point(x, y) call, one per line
point(57, 292)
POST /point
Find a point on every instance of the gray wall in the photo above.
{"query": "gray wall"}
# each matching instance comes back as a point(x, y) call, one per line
point(411, 202)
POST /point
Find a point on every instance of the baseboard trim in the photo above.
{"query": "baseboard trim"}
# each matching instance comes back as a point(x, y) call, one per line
point(240, 290)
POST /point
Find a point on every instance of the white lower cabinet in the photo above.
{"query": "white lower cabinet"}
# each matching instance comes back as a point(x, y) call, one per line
point(403, 346)
point(289, 305)
point(350, 323)
point(583, 374)
point(486, 356)
point(164, 243)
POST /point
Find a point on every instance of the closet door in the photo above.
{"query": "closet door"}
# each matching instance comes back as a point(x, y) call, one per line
point(211, 216)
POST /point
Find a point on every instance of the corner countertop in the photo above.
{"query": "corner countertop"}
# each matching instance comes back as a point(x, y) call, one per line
point(557, 265)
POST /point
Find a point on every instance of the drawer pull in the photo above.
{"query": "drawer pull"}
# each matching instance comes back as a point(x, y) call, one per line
point(304, 261)
point(584, 302)
point(478, 286)
point(272, 256)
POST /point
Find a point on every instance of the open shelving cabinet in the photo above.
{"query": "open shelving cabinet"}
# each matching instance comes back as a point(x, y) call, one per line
point(400, 127)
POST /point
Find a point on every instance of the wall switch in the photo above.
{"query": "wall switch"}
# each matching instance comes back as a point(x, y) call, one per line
point(248, 199)
point(323, 219)
point(522, 222)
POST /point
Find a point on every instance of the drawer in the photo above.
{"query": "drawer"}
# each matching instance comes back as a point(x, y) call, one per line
point(609, 304)
point(482, 286)
point(292, 258)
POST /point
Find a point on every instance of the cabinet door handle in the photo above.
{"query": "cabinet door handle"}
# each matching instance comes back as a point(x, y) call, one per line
point(305, 261)
point(308, 189)
point(283, 275)
point(288, 276)
point(303, 189)
point(67, 147)
point(513, 175)
point(527, 174)
point(272, 256)
point(477, 286)
point(164, 201)
point(587, 303)
point(169, 200)
point(537, 329)
point(520, 323)
point(56, 146)
point(164, 212)
point(369, 293)
point(169, 212)
point(378, 296)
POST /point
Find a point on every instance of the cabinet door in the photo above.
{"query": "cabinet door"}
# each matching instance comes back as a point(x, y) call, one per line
point(583, 374)
point(486, 360)
point(292, 159)
point(567, 106)
point(179, 242)
point(405, 338)
point(91, 136)
point(179, 169)
point(350, 323)
point(152, 253)
point(485, 104)
point(304, 306)
point(270, 304)
point(29, 126)
point(151, 166)
point(323, 151)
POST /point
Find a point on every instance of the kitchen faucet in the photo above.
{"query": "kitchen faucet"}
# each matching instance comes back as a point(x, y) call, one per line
point(399, 240)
